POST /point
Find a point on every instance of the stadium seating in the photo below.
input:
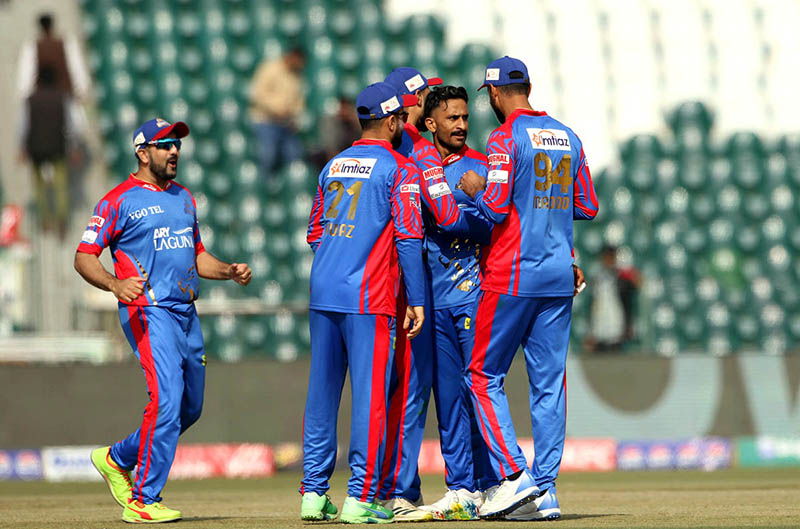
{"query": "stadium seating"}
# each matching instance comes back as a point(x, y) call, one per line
point(711, 224)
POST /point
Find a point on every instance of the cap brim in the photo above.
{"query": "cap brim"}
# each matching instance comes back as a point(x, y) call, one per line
point(180, 129)
point(435, 81)
point(484, 85)
point(409, 100)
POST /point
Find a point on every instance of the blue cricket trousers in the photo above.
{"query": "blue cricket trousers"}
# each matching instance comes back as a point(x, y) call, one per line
point(541, 326)
point(362, 343)
point(465, 454)
point(411, 377)
point(169, 345)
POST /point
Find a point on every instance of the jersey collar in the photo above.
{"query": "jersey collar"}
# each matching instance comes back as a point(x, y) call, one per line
point(528, 112)
point(369, 141)
point(147, 185)
point(456, 156)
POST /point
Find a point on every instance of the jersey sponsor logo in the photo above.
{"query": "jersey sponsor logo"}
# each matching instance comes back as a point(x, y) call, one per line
point(439, 190)
point(352, 167)
point(499, 159)
point(551, 140)
point(390, 105)
point(492, 74)
point(89, 236)
point(96, 220)
point(143, 212)
point(433, 172)
point(409, 188)
point(164, 240)
point(414, 83)
point(497, 176)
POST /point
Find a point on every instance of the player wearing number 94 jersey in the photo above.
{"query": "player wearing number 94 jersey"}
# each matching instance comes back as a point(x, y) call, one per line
point(538, 182)
point(365, 221)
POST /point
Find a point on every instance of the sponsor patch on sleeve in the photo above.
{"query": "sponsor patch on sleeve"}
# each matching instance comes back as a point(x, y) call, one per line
point(433, 172)
point(96, 220)
point(499, 159)
point(89, 237)
point(439, 190)
point(409, 188)
point(498, 176)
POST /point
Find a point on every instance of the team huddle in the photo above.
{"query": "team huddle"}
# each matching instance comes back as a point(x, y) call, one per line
point(433, 264)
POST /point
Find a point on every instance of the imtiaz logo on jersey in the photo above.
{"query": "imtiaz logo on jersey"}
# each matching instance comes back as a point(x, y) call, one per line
point(551, 140)
point(352, 167)
point(164, 240)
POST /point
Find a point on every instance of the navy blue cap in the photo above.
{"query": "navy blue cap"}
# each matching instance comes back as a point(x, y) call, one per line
point(379, 100)
point(498, 72)
point(155, 129)
point(408, 80)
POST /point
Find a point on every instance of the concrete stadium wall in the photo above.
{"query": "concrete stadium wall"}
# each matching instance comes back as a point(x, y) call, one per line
point(616, 396)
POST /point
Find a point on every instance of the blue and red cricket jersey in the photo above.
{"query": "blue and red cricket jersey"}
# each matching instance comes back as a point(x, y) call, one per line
point(366, 220)
point(538, 183)
point(453, 260)
point(153, 234)
point(355, 257)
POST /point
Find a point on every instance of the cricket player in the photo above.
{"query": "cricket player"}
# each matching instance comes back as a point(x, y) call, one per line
point(452, 266)
point(150, 224)
point(538, 182)
point(412, 373)
point(365, 221)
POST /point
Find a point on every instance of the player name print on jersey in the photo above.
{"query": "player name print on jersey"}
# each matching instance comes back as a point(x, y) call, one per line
point(553, 140)
point(352, 168)
point(439, 190)
point(163, 240)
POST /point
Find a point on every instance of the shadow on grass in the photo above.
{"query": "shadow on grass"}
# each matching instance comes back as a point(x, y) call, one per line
point(583, 516)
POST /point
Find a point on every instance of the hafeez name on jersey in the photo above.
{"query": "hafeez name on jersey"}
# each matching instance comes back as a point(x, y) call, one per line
point(352, 168)
point(553, 140)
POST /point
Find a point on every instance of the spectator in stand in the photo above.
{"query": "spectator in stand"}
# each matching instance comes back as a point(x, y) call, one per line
point(47, 132)
point(612, 301)
point(337, 131)
point(276, 98)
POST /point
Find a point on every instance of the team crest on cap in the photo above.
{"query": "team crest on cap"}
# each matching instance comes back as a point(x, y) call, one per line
point(390, 105)
point(414, 83)
point(161, 123)
point(138, 140)
point(492, 74)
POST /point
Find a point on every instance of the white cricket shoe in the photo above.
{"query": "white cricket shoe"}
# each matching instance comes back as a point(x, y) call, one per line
point(458, 504)
point(405, 511)
point(509, 496)
point(545, 507)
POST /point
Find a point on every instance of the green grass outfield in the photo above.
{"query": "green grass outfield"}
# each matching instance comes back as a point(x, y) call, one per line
point(737, 498)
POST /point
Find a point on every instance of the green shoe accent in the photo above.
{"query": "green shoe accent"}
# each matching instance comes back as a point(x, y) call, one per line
point(138, 512)
point(316, 507)
point(118, 479)
point(354, 511)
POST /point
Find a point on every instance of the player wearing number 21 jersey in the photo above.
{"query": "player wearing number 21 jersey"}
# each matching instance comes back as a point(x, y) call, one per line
point(365, 221)
point(538, 182)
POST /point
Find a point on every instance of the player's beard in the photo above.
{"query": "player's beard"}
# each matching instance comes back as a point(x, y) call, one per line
point(164, 172)
point(397, 139)
point(500, 116)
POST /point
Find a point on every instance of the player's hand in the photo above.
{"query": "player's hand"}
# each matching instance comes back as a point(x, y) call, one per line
point(580, 280)
point(240, 273)
point(128, 289)
point(471, 182)
point(417, 315)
